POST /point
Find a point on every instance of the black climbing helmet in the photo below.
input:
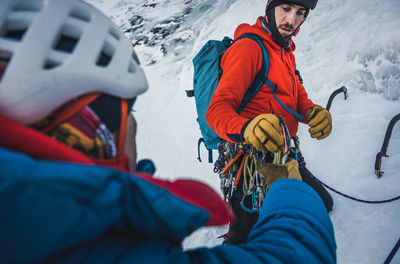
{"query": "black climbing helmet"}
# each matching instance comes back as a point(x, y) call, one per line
point(310, 4)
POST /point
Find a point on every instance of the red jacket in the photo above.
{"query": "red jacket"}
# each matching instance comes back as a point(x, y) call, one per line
point(240, 64)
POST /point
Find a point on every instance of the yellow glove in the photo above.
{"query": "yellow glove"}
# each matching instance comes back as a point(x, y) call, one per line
point(273, 172)
point(320, 122)
point(264, 133)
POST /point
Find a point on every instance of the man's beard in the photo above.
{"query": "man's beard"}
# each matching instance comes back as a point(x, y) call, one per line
point(287, 27)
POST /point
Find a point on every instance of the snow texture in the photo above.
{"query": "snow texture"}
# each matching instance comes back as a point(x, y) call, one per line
point(353, 43)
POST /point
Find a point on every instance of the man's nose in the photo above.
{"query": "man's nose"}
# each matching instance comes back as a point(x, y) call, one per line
point(291, 18)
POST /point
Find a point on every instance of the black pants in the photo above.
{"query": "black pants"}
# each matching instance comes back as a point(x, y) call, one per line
point(240, 229)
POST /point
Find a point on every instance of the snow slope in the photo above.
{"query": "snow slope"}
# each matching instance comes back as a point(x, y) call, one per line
point(353, 43)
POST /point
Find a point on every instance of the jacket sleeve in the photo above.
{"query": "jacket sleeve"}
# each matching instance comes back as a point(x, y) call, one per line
point(62, 213)
point(303, 102)
point(293, 227)
point(239, 64)
point(93, 214)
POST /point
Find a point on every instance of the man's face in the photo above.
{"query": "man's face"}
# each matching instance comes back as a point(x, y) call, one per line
point(288, 17)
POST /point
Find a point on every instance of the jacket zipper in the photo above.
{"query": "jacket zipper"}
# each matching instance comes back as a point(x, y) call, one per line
point(291, 76)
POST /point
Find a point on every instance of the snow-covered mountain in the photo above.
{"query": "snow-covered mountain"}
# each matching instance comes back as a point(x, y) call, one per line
point(353, 43)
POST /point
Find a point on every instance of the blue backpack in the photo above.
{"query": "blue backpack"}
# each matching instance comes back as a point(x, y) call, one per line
point(207, 73)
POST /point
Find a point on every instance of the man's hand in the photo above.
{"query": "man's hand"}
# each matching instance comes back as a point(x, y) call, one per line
point(264, 133)
point(320, 122)
point(273, 172)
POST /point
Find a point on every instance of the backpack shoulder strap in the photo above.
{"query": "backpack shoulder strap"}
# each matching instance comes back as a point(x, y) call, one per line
point(261, 75)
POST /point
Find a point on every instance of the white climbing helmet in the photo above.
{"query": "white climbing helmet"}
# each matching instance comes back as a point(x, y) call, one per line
point(57, 50)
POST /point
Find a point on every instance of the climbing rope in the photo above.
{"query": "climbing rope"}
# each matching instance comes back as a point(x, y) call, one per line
point(302, 164)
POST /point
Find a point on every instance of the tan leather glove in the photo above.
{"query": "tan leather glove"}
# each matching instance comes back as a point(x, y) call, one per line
point(273, 172)
point(264, 133)
point(320, 122)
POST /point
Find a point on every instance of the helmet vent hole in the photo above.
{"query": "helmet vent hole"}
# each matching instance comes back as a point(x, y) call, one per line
point(15, 34)
point(13, 29)
point(114, 33)
point(66, 44)
point(29, 6)
point(50, 64)
point(80, 14)
point(5, 58)
point(67, 39)
point(105, 55)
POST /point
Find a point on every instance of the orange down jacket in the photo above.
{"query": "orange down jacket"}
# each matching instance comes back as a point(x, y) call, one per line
point(240, 64)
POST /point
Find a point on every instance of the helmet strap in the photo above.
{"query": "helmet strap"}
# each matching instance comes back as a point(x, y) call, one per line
point(71, 110)
point(122, 128)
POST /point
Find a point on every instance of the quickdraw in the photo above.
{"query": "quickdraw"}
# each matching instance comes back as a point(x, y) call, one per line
point(253, 185)
point(226, 166)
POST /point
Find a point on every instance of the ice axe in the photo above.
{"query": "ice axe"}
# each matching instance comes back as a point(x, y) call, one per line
point(342, 89)
point(385, 145)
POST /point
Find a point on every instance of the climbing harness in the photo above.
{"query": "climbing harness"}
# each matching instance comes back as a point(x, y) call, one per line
point(342, 89)
point(385, 145)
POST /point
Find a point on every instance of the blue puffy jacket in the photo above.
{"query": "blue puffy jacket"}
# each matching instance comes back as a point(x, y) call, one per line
point(59, 212)
point(63, 212)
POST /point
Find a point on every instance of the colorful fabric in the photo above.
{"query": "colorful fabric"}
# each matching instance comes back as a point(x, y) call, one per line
point(86, 133)
point(240, 65)
point(38, 145)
